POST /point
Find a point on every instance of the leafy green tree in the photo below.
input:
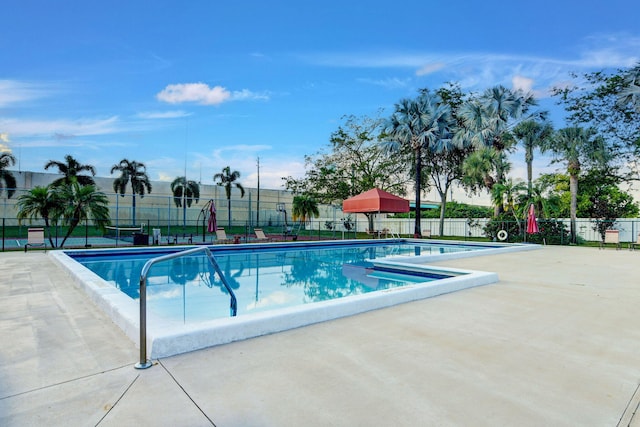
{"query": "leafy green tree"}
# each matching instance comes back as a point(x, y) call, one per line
point(354, 162)
point(81, 203)
point(68, 204)
point(136, 173)
point(480, 168)
point(419, 126)
point(532, 134)
point(574, 146)
point(71, 170)
point(40, 202)
point(457, 210)
point(445, 167)
point(304, 208)
point(227, 179)
point(185, 192)
point(603, 102)
point(7, 180)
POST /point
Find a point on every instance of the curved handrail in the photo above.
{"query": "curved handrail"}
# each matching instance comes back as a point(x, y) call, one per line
point(144, 362)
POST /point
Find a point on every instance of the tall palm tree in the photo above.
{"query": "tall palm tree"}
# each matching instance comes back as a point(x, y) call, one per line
point(419, 125)
point(227, 179)
point(184, 193)
point(489, 120)
point(7, 180)
point(304, 207)
point(82, 203)
point(630, 95)
point(135, 172)
point(39, 202)
point(575, 145)
point(71, 169)
point(532, 134)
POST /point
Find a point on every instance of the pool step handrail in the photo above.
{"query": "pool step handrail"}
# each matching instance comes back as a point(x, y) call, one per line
point(145, 363)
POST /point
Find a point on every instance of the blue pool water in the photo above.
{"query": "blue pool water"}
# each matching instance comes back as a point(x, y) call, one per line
point(263, 277)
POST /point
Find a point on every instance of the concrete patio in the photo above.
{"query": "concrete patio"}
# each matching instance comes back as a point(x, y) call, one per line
point(556, 342)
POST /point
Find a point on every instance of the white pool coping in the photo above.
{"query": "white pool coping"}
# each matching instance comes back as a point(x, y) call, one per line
point(166, 338)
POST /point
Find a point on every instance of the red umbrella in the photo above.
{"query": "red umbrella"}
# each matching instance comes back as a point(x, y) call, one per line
point(212, 225)
point(532, 223)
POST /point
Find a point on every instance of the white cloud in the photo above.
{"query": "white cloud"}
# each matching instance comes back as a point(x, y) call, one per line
point(199, 93)
point(245, 94)
point(430, 68)
point(176, 114)
point(522, 83)
point(4, 137)
point(13, 91)
point(65, 128)
point(390, 83)
point(478, 70)
point(203, 94)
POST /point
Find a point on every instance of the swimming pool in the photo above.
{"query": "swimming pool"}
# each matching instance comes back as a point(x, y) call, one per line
point(278, 286)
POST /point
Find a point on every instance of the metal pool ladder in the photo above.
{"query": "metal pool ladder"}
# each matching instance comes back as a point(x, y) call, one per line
point(145, 363)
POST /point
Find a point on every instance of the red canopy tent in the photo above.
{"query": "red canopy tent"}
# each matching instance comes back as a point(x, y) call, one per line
point(375, 201)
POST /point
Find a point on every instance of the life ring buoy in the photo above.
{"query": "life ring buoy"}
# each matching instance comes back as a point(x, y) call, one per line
point(502, 235)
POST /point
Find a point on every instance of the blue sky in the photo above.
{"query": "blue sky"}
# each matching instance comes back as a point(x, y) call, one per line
point(209, 84)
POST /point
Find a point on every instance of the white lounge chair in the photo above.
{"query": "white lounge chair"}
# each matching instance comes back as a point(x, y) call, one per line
point(221, 236)
point(611, 237)
point(426, 233)
point(632, 245)
point(260, 236)
point(35, 237)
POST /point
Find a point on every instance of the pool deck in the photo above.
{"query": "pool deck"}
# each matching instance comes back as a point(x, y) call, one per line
point(556, 342)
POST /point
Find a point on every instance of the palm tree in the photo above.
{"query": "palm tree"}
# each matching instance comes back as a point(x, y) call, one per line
point(39, 202)
point(419, 125)
point(80, 204)
point(184, 193)
point(227, 179)
point(532, 134)
point(480, 168)
point(7, 180)
point(71, 169)
point(575, 145)
point(489, 120)
point(304, 207)
point(630, 95)
point(135, 172)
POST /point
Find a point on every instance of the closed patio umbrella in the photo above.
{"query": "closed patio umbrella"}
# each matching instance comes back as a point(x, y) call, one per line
point(212, 225)
point(532, 223)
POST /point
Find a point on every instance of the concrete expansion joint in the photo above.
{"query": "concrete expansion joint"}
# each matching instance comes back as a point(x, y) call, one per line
point(186, 393)
point(48, 386)
point(632, 408)
point(109, 408)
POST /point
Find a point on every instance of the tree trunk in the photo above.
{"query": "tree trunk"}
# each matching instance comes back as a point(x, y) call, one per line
point(529, 175)
point(133, 205)
point(573, 188)
point(417, 233)
point(443, 208)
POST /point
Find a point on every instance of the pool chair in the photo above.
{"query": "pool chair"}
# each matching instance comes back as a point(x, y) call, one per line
point(221, 236)
point(426, 233)
point(611, 236)
point(632, 245)
point(260, 236)
point(35, 237)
